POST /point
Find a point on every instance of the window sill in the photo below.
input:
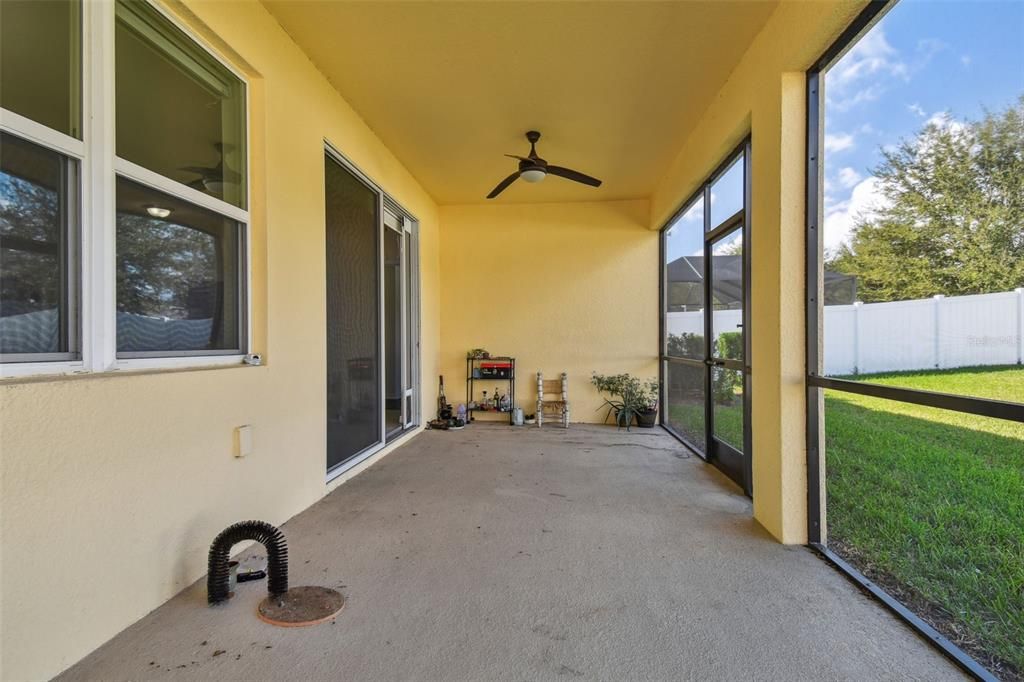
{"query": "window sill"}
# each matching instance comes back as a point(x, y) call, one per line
point(45, 372)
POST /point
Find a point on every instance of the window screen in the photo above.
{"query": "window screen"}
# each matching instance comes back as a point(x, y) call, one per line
point(353, 316)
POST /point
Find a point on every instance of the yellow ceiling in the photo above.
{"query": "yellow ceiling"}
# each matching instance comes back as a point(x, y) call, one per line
point(449, 87)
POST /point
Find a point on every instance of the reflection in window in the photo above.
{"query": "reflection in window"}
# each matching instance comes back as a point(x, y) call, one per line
point(178, 275)
point(180, 112)
point(35, 216)
point(40, 62)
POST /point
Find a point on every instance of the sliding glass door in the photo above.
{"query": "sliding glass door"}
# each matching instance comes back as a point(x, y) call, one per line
point(372, 344)
point(353, 316)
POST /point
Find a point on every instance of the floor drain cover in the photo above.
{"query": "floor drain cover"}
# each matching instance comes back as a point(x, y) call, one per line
point(301, 606)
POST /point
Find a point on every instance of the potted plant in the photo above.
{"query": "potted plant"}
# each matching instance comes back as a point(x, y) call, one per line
point(628, 397)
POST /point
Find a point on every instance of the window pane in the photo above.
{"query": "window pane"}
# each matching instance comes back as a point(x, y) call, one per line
point(36, 213)
point(684, 396)
point(392, 330)
point(180, 112)
point(410, 320)
point(684, 275)
point(727, 194)
point(178, 276)
point(40, 62)
point(727, 296)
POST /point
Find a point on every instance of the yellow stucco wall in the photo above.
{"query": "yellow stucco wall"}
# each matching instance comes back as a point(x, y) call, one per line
point(765, 97)
point(562, 287)
point(113, 487)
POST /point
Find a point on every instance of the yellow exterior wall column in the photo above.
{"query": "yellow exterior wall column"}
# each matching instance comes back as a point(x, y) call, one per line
point(778, 410)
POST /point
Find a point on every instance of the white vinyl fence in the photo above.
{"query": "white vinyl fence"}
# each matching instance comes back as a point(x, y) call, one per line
point(940, 332)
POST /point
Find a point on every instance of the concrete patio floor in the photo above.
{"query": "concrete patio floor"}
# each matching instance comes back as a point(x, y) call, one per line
point(524, 554)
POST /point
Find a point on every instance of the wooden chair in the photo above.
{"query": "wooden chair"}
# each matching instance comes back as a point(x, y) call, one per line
point(553, 398)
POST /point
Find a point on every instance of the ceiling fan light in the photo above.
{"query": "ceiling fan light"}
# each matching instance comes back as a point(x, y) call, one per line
point(533, 175)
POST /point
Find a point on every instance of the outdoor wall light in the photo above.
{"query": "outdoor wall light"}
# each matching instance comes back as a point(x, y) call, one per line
point(533, 175)
point(158, 212)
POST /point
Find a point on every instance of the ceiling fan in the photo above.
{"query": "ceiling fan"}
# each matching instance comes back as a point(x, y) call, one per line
point(532, 168)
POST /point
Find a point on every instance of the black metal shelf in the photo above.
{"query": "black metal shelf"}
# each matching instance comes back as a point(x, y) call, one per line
point(474, 364)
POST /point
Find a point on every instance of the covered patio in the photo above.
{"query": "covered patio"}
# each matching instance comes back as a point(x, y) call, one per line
point(503, 553)
point(255, 256)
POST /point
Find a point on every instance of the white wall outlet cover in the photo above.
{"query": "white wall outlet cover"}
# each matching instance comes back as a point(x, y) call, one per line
point(243, 441)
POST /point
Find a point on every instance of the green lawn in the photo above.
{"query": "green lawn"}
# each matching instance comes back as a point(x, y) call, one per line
point(931, 504)
point(927, 502)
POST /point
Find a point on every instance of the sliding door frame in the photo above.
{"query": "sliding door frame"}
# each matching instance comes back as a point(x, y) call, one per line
point(410, 226)
point(741, 218)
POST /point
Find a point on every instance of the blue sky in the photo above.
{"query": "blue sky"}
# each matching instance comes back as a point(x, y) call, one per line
point(925, 60)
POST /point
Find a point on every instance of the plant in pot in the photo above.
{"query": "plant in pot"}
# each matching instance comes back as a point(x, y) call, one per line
point(628, 397)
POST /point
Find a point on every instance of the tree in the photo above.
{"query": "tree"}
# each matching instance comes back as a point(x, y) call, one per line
point(953, 220)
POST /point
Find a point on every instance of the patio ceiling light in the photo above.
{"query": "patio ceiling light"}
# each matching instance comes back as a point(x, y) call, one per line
point(533, 174)
point(158, 212)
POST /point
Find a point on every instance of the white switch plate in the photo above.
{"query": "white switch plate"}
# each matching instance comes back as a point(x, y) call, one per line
point(243, 441)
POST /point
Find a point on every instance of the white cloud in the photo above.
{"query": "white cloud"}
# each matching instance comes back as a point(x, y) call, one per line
point(848, 177)
point(871, 58)
point(916, 109)
point(865, 200)
point(838, 142)
point(873, 67)
point(966, 60)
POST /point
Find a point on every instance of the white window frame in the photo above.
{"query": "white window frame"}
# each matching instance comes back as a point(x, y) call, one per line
point(99, 169)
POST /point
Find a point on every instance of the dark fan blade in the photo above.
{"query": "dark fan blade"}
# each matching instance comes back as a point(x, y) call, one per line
point(502, 185)
point(536, 160)
point(570, 174)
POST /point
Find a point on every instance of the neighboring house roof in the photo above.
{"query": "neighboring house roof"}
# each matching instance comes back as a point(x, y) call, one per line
point(686, 277)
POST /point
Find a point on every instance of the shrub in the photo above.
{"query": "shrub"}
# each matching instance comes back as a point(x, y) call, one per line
point(633, 395)
point(725, 382)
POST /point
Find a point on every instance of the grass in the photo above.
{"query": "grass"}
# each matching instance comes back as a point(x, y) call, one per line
point(926, 502)
point(931, 504)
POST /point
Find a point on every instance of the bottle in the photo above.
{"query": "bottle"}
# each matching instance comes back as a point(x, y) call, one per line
point(486, 404)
